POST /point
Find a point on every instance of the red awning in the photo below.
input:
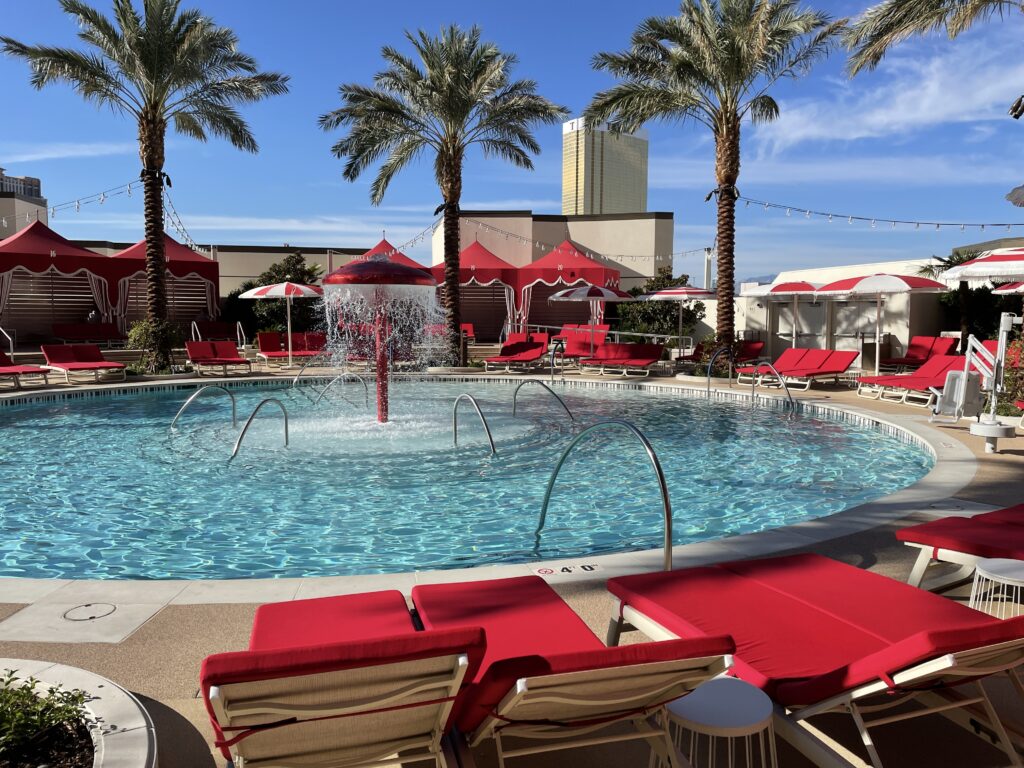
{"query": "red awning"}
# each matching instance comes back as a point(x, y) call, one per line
point(391, 254)
point(569, 265)
point(181, 260)
point(478, 265)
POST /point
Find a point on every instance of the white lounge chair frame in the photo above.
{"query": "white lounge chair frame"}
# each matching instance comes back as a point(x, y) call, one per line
point(199, 366)
point(352, 701)
point(16, 377)
point(929, 555)
point(91, 375)
point(641, 691)
point(868, 699)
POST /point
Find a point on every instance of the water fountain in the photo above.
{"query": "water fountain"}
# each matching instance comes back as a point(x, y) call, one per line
point(382, 312)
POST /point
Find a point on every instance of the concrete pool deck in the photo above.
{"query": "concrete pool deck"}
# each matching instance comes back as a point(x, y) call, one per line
point(165, 629)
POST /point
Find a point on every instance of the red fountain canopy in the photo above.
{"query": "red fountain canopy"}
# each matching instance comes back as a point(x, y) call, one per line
point(379, 272)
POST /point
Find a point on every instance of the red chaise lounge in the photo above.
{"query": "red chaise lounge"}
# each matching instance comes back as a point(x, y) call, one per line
point(911, 388)
point(9, 369)
point(789, 359)
point(623, 359)
point(548, 679)
point(919, 350)
point(520, 350)
point(76, 361)
point(216, 354)
point(818, 636)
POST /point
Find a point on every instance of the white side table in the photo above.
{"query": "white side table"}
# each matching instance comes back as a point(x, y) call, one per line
point(724, 709)
point(998, 587)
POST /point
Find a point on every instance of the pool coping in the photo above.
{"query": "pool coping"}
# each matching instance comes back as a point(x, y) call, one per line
point(954, 468)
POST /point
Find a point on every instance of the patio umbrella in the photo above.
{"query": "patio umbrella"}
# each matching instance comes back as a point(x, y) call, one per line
point(880, 285)
point(593, 294)
point(1009, 289)
point(1001, 264)
point(286, 291)
point(782, 291)
point(680, 294)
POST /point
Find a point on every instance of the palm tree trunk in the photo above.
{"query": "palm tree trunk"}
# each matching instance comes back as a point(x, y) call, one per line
point(151, 151)
point(727, 171)
point(452, 191)
point(961, 295)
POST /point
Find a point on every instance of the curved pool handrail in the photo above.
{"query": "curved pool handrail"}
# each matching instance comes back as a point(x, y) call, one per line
point(561, 402)
point(711, 364)
point(308, 363)
point(248, 423)
point(559, 345)
point(455, 420)
point(198, 392)
point(782, 383)
point(662, 483)
point(345, 376)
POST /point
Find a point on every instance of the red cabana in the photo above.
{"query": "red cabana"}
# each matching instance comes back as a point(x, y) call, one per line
point(193, 284)
point(47, 279)
point(482, 276)
point(566, 265)
point(391, 254)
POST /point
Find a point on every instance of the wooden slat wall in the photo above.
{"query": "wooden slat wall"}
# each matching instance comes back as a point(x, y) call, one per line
point(556, 313)
point(186, 299)
point(36, 302)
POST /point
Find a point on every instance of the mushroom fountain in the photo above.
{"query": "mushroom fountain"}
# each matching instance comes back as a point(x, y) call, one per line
point(381, 311)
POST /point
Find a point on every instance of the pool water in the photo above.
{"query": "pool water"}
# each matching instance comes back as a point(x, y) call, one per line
point(102, 488)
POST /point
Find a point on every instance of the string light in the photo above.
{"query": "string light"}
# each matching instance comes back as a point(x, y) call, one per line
point(873, 220)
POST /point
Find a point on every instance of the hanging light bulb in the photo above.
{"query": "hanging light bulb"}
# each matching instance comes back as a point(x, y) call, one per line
point(746, 204)
point(830, 218)
point(850, 220)
point(917, 225)
point(129, 190)
point(807, 214)
point(53, 213)
point(78, 205)
point(982, 227)
point(1009, 227)
point(872, 223)
point(766, 206)
point(103, 198)
point(938, 227)
point(894, 225)
point(787, 211)
point(4, 221)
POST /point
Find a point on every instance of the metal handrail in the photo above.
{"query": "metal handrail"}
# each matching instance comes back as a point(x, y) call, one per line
point(248, 423)
point(348, 375)
point(782, 383)
point(559, 344)
point(455, 420)
point(308, 363)
point(198, 392)
point(10, 342)
point(196, 335)
point(662, 484)
point(554, 394)
point(718, 353)
point(240, 336)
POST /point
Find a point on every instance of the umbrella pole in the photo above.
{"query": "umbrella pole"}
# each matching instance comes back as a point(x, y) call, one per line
point(288, 310)
point(679, 338)
point(878, 332)
point(796, 318)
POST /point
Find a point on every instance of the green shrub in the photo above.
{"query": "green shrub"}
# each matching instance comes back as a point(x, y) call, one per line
point(149, 337)
point(29, 718)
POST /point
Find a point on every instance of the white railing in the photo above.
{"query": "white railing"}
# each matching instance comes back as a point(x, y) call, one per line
point(10, 342)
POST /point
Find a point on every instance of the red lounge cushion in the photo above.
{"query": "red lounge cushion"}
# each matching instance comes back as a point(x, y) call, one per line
point(272, 355)
point(57, 353)
point(87, 353)
point(969, 535)
point(199, 350)
point(21, 370)
point(222, 361)
point(325, 620)
point(273, 664)
point(268, 341)
point(225, 349)
point(797, 619)
point(500, 677)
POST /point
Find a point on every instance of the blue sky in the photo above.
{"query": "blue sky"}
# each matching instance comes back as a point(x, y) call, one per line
point(926, 136)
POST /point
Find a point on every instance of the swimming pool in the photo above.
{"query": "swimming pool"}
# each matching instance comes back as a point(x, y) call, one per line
point(100, 487)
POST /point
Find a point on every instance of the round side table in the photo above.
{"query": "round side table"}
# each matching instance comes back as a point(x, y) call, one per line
point(998, 587)
point(729, 710)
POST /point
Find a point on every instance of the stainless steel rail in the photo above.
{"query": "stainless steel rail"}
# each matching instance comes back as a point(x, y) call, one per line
point(559, 344)
point(10, 342)
point(306, 364)
point(196, 335)
point(662, 484)
point(561, 402)
point(201, 390)
point(343, 377)
point(248, 423)
point(782, 383)
point(455, 420)
point(711, 364)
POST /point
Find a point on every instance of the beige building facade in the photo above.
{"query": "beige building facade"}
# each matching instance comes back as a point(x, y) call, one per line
point(602, 172)
point(18, 211)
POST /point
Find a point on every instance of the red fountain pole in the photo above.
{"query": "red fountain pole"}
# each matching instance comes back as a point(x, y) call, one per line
point(381, 274)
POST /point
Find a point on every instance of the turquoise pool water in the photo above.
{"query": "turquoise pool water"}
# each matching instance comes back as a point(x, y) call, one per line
point(102, 488)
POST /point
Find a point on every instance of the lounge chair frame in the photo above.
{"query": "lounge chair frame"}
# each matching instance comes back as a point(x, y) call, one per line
point(201, 365)
point(929, 555)
point(962, 669)
point(543, 709)
point(440, 690)
point(89, 376)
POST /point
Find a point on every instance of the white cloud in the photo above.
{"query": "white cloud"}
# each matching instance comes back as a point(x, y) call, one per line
point(897, 170)
point(970, 80)
point(32, 153)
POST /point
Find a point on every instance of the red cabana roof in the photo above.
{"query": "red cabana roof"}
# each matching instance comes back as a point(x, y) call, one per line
point(37, 239)
point(569, 265)
point(479, 265)
point(392, 254)
point(173, 251)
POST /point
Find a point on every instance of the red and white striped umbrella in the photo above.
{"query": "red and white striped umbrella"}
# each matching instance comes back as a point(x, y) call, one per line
point(877, 286)
point(1009, 289)
point(286, 291)
point(782, 291)
point(1002, 263)
point(591, 293)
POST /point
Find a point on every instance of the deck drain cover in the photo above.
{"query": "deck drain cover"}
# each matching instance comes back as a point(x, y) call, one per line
point(89, 611)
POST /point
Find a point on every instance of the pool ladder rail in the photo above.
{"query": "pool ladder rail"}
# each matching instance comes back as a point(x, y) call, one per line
point(345, 377)
point(753, 394)
point(234, 413)
point(248, 423)
point(455, 420)
point(666, 503)
point(200, 391)
point(561, 402)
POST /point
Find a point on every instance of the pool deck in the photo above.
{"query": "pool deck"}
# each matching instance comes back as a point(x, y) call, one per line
point(158, 634)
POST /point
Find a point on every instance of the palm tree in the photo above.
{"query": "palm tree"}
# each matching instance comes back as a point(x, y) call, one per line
point(162, 67)
point(892, 21)
point(714, 63)
point(460, 94)
point(963, 292)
